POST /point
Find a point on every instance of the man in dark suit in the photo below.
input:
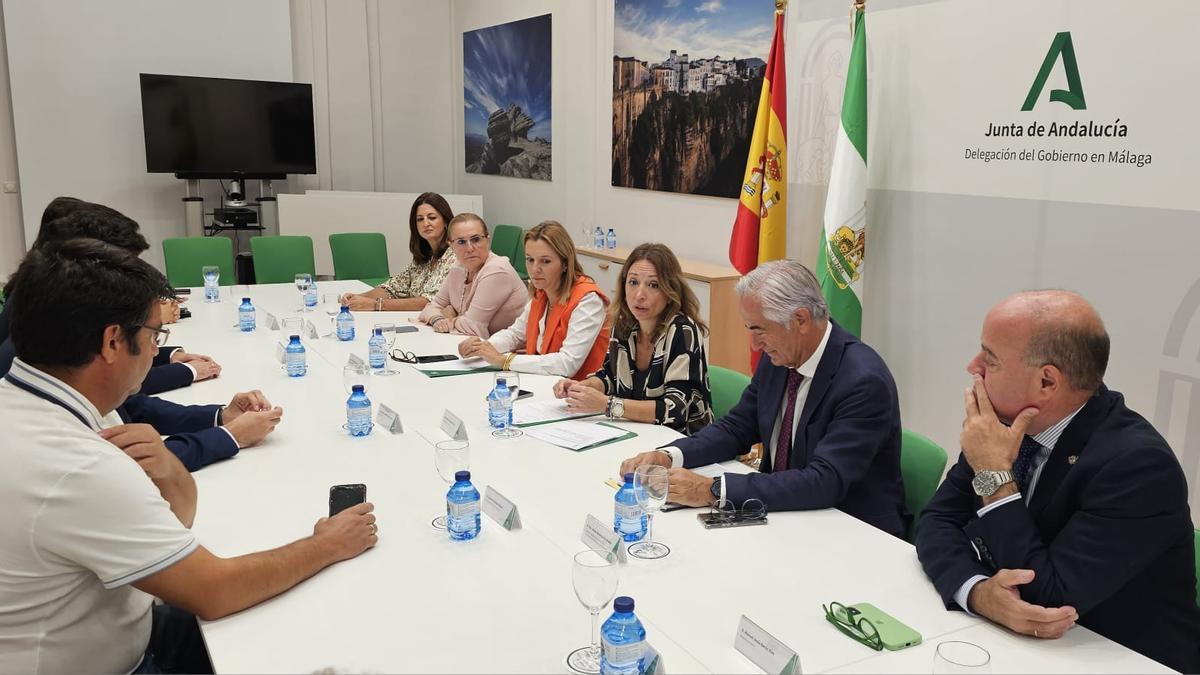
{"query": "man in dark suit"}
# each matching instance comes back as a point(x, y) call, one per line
point(1065, 505)
point(824, 405)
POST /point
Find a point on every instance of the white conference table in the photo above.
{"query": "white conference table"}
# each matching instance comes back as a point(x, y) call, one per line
point(418, 602)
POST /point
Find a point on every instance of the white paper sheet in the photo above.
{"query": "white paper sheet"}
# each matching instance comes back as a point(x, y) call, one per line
point(473, 363)
point(574, 435)
point(530, 411)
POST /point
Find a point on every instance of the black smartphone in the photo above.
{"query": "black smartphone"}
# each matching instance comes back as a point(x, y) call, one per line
point(181, 291)
point(342, 497)
point(185, 313)
point(404, 329)
point(434, 358)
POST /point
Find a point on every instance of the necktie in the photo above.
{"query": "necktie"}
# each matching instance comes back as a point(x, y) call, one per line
point(1023, 467)
point(783, 443)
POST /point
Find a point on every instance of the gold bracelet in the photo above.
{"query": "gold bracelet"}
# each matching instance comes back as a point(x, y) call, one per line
point(507, 363)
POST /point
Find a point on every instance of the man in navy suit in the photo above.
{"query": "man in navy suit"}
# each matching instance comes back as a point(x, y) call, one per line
point(824, 405)
point(1065, 506)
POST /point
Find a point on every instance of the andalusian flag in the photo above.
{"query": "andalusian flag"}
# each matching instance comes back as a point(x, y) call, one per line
point(760, 229)
point(844, 239)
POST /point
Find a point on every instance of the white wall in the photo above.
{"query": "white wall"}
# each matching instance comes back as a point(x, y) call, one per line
point(12, 237)
point(74, 68)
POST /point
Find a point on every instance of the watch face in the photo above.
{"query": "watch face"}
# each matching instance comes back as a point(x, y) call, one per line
point(984, 483)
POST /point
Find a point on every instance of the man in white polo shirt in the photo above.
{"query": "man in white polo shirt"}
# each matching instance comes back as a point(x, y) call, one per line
point(97, 513)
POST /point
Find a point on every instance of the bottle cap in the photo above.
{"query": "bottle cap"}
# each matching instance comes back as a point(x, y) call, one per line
point(345, 308)
point(245, 299)
point(629, 477)
point(462, 476)
point(294, 337)
point(501, 382)
point(623, 603)
point(357, 389)
point(379, 331)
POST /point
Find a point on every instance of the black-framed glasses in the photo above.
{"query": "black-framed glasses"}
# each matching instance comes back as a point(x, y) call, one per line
point(474, 241)
point(160, 334)
point(851, 622)
point(724, 511)
point(403, 356)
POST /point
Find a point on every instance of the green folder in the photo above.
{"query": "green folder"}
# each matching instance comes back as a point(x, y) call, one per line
point(623, 437)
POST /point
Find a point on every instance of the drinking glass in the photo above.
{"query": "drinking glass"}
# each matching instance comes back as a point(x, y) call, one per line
point(588, 233)
point(211, 274)
point(450, 457)
point(331, 303)
point(595, 580)
point(389, 337)
point(513, 382)
point(650, 488)
point(961, 657)
point(292, 325)
point(355, 373)
point(303, 280)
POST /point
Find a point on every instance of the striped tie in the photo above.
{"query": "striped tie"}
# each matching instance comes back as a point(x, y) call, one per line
point(783, 443)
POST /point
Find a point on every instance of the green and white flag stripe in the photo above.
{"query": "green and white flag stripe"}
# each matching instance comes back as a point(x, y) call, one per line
point(840, 261)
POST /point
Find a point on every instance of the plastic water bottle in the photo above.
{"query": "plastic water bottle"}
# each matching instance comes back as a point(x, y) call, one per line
point(246, 316)
point(598, 239)
point(212, 292)
point(622, 640)
point(462, 508)
point(345, 324)
point(358, 412)
point(499, 404)
point(296, 359)
point(377, 350)
point(612, 239)
point(310, 296)
point(629, 519)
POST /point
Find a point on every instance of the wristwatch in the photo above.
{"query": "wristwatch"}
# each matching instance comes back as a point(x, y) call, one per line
point(617, 409)
point(715, 488)
point(987, 482)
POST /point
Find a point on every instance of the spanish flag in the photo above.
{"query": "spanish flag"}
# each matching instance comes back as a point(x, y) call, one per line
point(760, 229)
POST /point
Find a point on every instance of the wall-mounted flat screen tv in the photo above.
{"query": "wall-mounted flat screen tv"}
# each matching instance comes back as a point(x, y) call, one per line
point(207, 127)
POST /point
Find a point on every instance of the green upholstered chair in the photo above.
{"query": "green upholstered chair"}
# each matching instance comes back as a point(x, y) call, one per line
point(279, 259)
point(519, 262)
point(185, 256)
point(921, 465)
point(1197, 542)
point(506, 239)
point(727, 387)
point(359, 255)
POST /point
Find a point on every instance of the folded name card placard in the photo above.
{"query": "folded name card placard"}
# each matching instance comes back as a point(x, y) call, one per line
point(389, 419)
point(453, 426)
point(310, 331)
point(355, 360)
point(271, 322)
point(602, 539)
point(765, 650)
point(280, 354)
point(501, 509)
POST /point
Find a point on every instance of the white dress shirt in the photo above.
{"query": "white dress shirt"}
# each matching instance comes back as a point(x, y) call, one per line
point(1047, 439)
point(582, 329)
point(808, 369)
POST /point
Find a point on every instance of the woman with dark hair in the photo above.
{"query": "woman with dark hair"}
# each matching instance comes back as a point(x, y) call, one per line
point(432, 260)
point(656, 370)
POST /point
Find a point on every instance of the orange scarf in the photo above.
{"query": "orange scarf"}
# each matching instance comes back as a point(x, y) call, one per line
point(556, 326)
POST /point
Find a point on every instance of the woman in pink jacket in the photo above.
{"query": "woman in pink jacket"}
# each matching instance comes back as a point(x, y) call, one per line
point(482, 293)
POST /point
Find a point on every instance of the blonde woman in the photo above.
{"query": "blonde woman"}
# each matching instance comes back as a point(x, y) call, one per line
point(483, 293)
point(563, 329)
point(656, 370)
point(432, 260)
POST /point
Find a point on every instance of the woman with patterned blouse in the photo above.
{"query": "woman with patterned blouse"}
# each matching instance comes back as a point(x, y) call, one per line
point(432, 259)
point(656, 369)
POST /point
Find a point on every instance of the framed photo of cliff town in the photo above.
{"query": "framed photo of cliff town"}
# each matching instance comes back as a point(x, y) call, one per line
point(506, 99)
point(686, 79)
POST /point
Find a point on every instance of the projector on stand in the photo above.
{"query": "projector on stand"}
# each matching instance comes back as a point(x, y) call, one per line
point(235, 216)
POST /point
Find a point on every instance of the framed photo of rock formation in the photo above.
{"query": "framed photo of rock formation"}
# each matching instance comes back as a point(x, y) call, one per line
point(686, 79)
point(506, 99)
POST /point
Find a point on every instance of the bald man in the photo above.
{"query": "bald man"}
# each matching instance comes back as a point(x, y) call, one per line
point(1065, 505)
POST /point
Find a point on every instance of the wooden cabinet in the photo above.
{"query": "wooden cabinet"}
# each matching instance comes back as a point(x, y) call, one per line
point(728, 340)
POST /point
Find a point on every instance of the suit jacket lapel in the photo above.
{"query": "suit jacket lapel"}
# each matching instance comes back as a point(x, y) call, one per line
point(770, 394)
point(1071, 443)
point(826, 369)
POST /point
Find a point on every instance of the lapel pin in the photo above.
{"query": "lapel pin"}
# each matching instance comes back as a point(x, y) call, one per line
point(1071, 459)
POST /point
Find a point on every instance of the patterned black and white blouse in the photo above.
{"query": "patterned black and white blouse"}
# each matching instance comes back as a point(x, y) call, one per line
point(677, 379)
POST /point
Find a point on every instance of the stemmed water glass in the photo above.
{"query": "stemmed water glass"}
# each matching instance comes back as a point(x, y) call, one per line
point(211, 274)
point(594, 577)
point(512, 381)
point(955, 656)
point(650, 489)
point(303, 281)
point(355, 373)
point(450, 457)
point(388, 330)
